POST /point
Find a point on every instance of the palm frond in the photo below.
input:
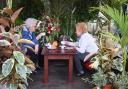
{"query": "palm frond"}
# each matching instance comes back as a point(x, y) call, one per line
point(119, 17)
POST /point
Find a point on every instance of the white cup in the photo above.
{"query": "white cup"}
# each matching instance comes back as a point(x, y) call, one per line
point(62, 42)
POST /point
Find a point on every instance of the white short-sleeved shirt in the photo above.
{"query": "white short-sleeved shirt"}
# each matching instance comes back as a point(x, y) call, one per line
point(86, 43)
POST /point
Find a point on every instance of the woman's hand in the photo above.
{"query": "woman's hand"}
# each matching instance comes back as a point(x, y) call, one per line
point(40, 35)
point(36, 49)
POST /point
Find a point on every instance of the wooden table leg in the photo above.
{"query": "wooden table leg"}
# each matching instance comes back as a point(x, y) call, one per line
point(45, 69)
point(70, 69)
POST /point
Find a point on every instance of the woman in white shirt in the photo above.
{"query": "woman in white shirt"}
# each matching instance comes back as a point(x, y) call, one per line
point(84, 46)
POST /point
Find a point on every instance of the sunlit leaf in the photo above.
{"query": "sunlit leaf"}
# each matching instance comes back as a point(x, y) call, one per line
point(4, 22)
point(4, 43)
point(15, 15)
point(31, 67)
point(24, 81)
point(118, 64)
point(29, 47)
point(7, 67)
point(8, 10)
point(28, 61)
point(22, 86)
point(6, 34)
point(9, 3)
point(21, 70)
point(16, 38)
point(19, 57)
point(25, 41)
point(29, 71)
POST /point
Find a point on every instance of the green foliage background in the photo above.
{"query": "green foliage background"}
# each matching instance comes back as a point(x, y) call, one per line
point(69, 12)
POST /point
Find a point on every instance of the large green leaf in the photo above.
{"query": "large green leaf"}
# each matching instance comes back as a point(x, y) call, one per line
point(21, 70)
point(4, 43)
point(19, 57)
point(1, 77)
point(16, 38)
point(7, 67)
point(7, 34)
point(24, 81)
point(13, 86)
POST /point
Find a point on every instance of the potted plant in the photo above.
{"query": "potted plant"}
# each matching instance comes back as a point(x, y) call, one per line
point(120, 19)
point(109, 65)
point(104, 74)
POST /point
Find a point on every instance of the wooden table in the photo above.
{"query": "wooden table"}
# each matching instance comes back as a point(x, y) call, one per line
point(58, 54)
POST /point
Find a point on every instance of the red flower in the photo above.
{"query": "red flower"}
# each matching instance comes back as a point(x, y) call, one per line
point(49, 28)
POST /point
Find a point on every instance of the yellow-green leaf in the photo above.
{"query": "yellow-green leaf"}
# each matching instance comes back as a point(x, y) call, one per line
point(7, 67)
point(21, 70)
point(19, 57)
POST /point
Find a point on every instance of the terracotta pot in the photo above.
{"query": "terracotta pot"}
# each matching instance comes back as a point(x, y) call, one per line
point(109, 86)
point(115, 87)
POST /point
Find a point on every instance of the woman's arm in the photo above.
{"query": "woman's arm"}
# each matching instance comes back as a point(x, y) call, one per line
point(74, 44)
point(36, 49)
point(40, 35)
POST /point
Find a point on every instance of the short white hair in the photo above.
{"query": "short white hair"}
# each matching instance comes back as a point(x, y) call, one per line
point(30, 22)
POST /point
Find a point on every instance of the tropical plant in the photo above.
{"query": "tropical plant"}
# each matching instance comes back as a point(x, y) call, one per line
point(121, 20)
point(16, 70)
point(15, 66)
point(105, 63)
point(104, 21)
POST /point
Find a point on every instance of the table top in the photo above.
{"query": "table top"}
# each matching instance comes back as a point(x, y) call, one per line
point(60, 51)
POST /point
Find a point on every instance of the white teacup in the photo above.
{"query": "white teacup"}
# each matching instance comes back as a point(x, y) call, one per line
point(62, 42)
